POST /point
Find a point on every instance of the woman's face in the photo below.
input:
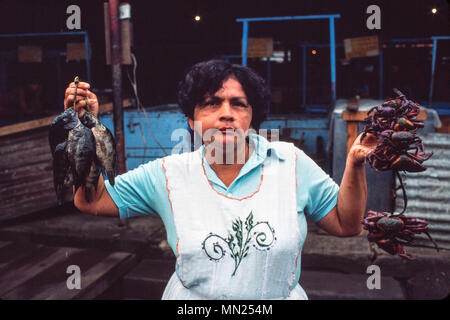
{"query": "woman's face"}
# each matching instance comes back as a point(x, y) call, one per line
point(225, 115)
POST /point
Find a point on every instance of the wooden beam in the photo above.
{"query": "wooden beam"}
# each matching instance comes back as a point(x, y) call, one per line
point(16, 254)
point(36, 265)
point(361, 115)
point(44, 122)
point(353, 118)
point(94, 281)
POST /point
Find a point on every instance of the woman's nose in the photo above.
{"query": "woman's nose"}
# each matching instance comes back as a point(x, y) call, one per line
point(225, 112)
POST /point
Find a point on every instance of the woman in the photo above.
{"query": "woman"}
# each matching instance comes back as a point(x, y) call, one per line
point(235, 209)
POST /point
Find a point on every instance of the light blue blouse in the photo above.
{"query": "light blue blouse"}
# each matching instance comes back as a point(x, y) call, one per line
point(143, 190)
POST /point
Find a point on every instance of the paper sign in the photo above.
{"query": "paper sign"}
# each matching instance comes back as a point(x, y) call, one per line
point(260, 47)
point(75, 51)
point(361, 47)
point(29, 54)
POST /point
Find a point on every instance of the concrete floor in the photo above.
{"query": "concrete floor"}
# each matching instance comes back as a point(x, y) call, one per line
point(332, 268)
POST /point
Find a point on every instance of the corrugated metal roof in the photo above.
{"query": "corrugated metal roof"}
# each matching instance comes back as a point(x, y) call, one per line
point(428, 192)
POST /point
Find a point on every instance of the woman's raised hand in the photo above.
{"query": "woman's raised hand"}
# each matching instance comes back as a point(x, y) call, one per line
point(82, 92)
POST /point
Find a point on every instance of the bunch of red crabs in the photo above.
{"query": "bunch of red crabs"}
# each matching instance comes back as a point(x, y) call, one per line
point(399, 149)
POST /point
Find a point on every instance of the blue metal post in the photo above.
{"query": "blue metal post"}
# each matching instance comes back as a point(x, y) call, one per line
point(244, 42)
point(268, 81)
point(88, 65)
point(286, 18)
point(332, 62)
point(433, 64)
point(331, 17)
point(380, 80)
point(304, 76)
point(43, 34)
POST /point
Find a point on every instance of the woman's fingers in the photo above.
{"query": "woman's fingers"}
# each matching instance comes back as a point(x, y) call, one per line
point(93, 102)
point(68, 102)
point(80, 92)
point(81, 85)
point(81, 106)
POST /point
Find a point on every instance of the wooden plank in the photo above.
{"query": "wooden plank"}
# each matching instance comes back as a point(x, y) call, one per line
point(55, 277)
point(3, 245)
point(95, 280)
point(44, 122)
point(107, 33)
point(13, 256)
point(22, 137)
point(24, 126)
point(361, 115)
point(38, 264)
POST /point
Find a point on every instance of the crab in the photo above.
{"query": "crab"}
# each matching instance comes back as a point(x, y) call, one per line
point(394, 152)
point(391, 231)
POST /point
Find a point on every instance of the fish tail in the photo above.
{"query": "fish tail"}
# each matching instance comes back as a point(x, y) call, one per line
point(111, 176)
point(60, 194)
point(87, 193)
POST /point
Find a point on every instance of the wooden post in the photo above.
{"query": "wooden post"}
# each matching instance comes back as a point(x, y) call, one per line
point(126, 37)
point(353, 118)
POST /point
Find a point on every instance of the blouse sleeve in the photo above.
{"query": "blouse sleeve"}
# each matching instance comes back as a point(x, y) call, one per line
point(317, 193)
point(134, 191)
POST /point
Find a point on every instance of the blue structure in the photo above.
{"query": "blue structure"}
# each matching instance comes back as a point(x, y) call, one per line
point(58, 34)
point(330, 17)
point(167, 130)
point(442, 107)
point(5, 57)
point(433, 64)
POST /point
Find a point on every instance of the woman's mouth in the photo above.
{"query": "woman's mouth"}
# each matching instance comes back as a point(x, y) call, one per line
point(227, 130)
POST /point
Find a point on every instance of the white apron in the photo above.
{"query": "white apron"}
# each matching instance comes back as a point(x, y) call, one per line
point(230, 248)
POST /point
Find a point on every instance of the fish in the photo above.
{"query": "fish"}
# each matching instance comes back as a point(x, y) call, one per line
point(92, 180)
point(60, 171)
point(105, 146)
point(80, 153)
point(89, 120)
point(58, 134)
point(60, 127)
point(81, 148)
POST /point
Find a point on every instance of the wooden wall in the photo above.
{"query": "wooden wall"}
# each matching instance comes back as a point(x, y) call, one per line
point(26, 176)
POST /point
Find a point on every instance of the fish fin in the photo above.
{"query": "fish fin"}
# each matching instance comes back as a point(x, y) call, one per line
point(87, 194)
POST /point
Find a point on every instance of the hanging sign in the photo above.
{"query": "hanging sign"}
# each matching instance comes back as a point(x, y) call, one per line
point(361, 47)
point(259, 47)
point(27, 54)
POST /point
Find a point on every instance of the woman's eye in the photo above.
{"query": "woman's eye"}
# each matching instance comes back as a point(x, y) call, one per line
point(210, 104)
point(240, 104)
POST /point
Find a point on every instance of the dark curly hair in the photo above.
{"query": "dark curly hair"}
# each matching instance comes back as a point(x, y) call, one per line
point(207, 77)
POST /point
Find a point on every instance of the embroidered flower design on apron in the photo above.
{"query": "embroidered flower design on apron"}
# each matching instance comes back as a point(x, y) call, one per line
point(264, 238)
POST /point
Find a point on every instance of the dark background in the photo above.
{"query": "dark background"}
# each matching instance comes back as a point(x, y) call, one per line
point(167, 41)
